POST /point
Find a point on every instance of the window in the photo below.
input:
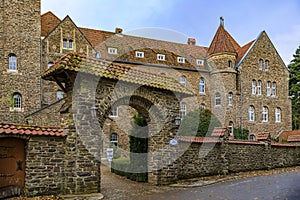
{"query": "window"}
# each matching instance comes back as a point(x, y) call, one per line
point(17, 101)
point(269, 88)
point(265, 114)
point(201, 86)
point(182, 110)
point(65, 43)
point(180, 59)
point(114, 139)
point(12, 62)
point(252, 138)
point(260, 64)
point(114, 112)
point(161, 57)
point(49, 64)
point(97, 55)
point(254, 87)
point(70, 44)
point(258, 87)
point(267, 65)
point(202, 106)
point(200, 62)
point(182, 80)
point(229, 64)
point(230, 98)
point(59, 95)
point(274, 89)
point(112, 50)
point(278, 115)
point(218, 99)
point(251, 114)
point(139, 54)
point(230, 128)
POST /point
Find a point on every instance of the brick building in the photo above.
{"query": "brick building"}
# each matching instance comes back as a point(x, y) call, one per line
point(244, 86)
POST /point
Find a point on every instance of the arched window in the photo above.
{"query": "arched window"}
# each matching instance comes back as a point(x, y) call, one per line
point(97, 55)
point(12, 62)
point(230, 98)
point(59, 95)
point(269, 88)
point(230, 128)
point(267, 65)
point(17, 101)
point(229, 64)
point(252, 138)
point(265, 114)
point(218, 99)
point(201, 86)
point(202, 106)
point(254, 87)
point(260, 64)
point(182, 110)
point(258, 87)
point(49, 64)
point(182, 80)
point(251, 114)
point(277, 115)
point(114, 139)
point(274, 89)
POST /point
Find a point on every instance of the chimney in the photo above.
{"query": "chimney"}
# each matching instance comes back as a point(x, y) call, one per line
point(118, 30)
point(191, 41)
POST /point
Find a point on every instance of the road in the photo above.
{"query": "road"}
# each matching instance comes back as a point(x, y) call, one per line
point(284, 186)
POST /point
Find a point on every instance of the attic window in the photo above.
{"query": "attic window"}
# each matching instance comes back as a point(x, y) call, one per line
point(200, 62)
point(112, 50)
point(161, 57)
point(139, 54)
point(180, 60)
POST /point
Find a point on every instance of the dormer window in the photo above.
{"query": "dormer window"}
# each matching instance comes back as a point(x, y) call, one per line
point(139, 54)
point(112, 50)
point(161, 57)
point(180, 60)
point(182, 80)
point(200, 62)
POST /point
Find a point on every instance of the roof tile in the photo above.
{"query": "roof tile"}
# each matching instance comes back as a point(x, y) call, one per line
point(48, 22)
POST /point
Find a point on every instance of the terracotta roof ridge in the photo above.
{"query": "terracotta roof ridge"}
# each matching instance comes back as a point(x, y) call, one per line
point(92, 29)
point(28, 125)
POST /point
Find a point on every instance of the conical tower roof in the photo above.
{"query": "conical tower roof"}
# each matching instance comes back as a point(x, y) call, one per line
point(223, 41)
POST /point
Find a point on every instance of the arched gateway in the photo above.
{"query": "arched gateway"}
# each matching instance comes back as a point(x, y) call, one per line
point(92, 87)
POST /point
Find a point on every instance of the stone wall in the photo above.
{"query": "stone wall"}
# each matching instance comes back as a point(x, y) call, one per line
point(203, 159)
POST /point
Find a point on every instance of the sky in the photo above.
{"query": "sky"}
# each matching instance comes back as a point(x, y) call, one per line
point(177, 20)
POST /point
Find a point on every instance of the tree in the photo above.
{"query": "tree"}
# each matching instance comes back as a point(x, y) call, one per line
point(198, 123)
point(294, 88)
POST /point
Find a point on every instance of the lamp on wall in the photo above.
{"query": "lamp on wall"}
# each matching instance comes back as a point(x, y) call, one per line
point(177, 121)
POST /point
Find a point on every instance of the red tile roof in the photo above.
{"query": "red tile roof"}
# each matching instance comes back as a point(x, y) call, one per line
point(96, 37)
point(243, 50)
point(197, 139)
point(17, 129)
point(219, 132)
point(223, 42)
point(48, 22)
point(262, 135)
point(293, 138)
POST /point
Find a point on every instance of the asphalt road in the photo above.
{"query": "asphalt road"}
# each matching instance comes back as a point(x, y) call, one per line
point(284, 186)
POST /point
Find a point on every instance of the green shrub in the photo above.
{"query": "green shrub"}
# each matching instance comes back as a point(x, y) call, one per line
point(198, 123)
point(241, 134)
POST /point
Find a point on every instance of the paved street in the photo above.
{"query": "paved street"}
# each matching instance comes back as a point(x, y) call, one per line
point(277, 185)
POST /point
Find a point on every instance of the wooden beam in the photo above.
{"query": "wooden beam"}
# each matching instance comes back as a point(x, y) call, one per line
point(59, 84)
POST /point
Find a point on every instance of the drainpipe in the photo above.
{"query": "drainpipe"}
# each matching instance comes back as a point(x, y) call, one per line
point(239, 73)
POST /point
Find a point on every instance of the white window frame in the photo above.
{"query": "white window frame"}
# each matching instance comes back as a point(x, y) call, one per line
point(253, 87)
point(230, 128)
point(17, 101)
point(260, 64)
point(200, 62)
point(251, 112)
point(266, 65)
point(278, 115)
point(182, 80)
point(217, 99)
point(258, 88)
point(182, 110)
point(114, 139)
point(12, 62)
point(161, 57)
point(139, 54)
point(202, 85)
point(180, 59)
point(59, 95)
point(114, 112)
point(112, 50)
point(65, 44)
point(273, 89)
point(70, 45)
point(265, 114)
point(230, 99)
point(269, 88)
